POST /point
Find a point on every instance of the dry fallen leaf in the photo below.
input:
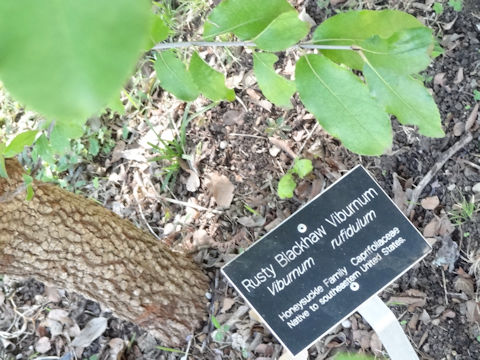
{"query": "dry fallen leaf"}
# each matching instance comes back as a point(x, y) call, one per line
point(472, 118)
point(473, 311)
point(459, 76)
point(376, 344)
point(430, 203)
point(43, 345)
point(227, 304)
point(465, 285)
point(439, 79)
point(399, 196)
point(193, 182)
point(221, 189)
point(431, 229)
point(458, 128)
point(252, 221)
point(90, 332)
point(201, 237)
point(117, 348)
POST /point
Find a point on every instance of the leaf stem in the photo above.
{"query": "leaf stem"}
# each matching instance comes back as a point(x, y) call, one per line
point(177, 45)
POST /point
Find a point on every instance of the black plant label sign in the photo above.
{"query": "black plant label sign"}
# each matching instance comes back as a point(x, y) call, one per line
point(315, 269)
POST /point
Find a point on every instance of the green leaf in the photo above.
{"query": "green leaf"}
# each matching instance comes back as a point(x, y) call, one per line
point(28, 180)
point(276, 88)
point(216, 323)
point(347, 356)
point(406, 98)
point(405, 52)
point(42, 149)
point(210, 82)
point(286, 186)
point(3, 169)
point(351, 28)
point(61, 135)
point(245, 18)
point(174, 77)
point(286, 30)
point(116, 105)
point(93, 146)
point(302, 167)
point(66, 58)
point(342, 105)
point(16, 146)
point(158, 32)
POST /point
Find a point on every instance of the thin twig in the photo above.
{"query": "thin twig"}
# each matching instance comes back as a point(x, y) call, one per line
point(193, 206)
point(434, 169)
point(185, 44)
point(249, 135)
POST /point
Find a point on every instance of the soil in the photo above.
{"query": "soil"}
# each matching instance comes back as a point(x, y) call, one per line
point(234, 139)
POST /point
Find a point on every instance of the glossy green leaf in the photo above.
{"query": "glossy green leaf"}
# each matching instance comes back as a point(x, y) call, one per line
point(16, 146)
point(158, 31)
point(302, 167)
point(244, 18)
point(406, 98)
point(116, 105)
point(342, 105)
point(347, 356)
point(42, 149)
point(61, 135)
point(210, 82)
point(3, 169)
point(28, 180)
point(174, 76)
point(286, 30)
point(286, 186)
point(276, 88)
point(405, 52)
point(354, 27)
point(66, 58)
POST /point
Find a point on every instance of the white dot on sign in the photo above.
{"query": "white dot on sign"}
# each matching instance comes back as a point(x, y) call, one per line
point(301, 228)
point(354, 286)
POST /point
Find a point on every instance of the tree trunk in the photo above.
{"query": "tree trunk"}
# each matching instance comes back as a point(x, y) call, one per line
point(74, 243)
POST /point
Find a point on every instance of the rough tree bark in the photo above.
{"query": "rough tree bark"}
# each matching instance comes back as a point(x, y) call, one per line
point(72, 242)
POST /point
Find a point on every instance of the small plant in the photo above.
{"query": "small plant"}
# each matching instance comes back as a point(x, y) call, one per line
point(463, 210)
point(222, 330)
point(438, 8)
point(287, 183)
point(277, 127)
point(476, 95)
point(457, 5)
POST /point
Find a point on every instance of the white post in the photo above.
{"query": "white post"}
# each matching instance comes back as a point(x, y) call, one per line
point(386, 325)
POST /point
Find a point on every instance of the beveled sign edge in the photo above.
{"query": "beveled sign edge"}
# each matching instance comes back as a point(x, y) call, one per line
point(265, 323)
